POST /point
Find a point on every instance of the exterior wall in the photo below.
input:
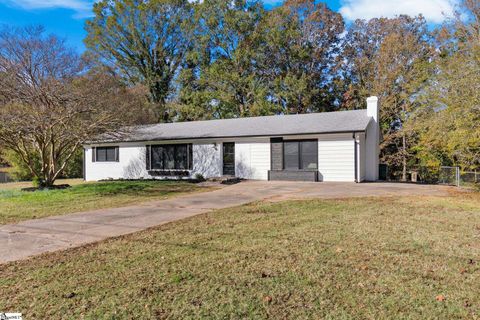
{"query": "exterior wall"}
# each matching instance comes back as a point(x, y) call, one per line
point(131, 164)
point(372, 141)
point(252, 159)
point(336, 157)
point(361, 154)
point(207, 159)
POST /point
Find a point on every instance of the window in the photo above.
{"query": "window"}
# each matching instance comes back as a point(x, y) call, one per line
point(300, 155)
point(106, 154)
point(171, 157)
point(290, 158)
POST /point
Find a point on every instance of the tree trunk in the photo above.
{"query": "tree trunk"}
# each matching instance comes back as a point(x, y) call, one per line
point(404, 157)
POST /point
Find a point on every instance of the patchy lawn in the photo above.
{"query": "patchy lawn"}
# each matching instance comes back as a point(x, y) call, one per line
point(16, 205)
point(337, 259)
point(28, 184)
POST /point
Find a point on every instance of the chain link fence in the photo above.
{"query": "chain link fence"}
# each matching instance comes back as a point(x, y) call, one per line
point(446, 175)
point(4, 177)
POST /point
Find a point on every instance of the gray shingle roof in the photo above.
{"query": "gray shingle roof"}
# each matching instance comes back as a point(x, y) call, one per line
point(312, 123)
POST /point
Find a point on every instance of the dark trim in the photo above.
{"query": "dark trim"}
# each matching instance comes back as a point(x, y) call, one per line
point(169, 173)
point(355, 147)
point(84, 165)
point(300, 159)
point(189, 158)
point(224, 137)
point(272, 142)
point(224, 172)
point(293, 175)
point(116, 155)
point(148, 157)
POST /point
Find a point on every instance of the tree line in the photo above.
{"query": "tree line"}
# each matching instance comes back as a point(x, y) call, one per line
point(176, 60)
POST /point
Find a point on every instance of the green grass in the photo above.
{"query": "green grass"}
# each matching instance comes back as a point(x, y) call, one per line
point(380, 258)
point(16, 205)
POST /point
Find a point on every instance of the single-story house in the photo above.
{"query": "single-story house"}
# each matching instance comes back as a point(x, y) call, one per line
point(331, 146)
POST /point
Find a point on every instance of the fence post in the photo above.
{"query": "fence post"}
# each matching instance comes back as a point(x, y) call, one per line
point(458, 176)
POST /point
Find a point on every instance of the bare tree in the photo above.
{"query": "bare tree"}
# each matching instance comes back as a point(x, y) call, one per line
point(44, 113)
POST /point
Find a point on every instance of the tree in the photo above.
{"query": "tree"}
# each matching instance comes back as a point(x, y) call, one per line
point(390, 58)
point(145, 41)
point(45, 114)
point(302, 40)
point(448, 123)
point(221, 79)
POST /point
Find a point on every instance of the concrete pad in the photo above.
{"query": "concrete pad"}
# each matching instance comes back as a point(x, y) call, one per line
point(33, 237)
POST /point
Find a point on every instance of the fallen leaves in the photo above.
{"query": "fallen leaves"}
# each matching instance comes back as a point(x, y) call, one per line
point(267, 299)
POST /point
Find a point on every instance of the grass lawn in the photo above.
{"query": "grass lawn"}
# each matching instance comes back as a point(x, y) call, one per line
point(16, 205)
point(408, 258)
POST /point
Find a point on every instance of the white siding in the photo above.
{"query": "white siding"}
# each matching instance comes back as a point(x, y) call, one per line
point(131, 164)
point(336, 157)
point(252, 159)
point(207, 159)
point(361, 156)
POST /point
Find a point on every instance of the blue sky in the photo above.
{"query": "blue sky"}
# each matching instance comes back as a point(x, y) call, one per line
point(66, 18)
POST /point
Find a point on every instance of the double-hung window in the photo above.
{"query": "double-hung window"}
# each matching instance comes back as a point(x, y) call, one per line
point(300, 155)
point(105, 154)
point(171, 157)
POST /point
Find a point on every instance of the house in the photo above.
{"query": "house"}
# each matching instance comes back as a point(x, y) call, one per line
point(333, 146)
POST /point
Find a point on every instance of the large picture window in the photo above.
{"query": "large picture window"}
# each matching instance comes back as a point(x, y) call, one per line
point(300, 155)
point(105, 154)
point(171, 157)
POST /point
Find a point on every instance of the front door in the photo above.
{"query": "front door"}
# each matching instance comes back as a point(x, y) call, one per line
point(229, 159)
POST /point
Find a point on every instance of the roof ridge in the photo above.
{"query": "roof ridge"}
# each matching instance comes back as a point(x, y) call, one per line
point(253, 117)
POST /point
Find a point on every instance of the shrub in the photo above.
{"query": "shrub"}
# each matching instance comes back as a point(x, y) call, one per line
point(20, 171)
point(199, 177)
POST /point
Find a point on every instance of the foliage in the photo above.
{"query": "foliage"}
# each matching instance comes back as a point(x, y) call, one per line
point(180, 60)
point(301, 43)
point(221, 78)
point(389, 58)
point(448, 122)
point(21, 172)
point(145, 41)
point(46, 110)
point(199, 177)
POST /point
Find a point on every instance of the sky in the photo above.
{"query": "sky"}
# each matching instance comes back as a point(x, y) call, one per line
point(66, 18)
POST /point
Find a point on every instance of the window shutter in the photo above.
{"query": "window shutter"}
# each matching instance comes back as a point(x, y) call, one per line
point(147, 157)
point(117, 156)
point(94, 154)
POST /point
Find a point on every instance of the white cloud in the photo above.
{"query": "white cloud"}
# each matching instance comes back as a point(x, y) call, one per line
point(82, 8)
point(434, 11)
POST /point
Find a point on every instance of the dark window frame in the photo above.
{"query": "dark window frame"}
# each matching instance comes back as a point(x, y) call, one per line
point(187, 158)
point(116, 157)
point(300, 154)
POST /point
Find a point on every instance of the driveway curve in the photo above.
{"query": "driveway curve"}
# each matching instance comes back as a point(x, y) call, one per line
point(34, 237)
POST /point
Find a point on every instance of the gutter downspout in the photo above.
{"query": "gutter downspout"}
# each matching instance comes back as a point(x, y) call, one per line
point(355, 147)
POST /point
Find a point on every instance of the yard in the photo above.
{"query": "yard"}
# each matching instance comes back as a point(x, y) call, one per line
point(337, 259)
point(16, 205)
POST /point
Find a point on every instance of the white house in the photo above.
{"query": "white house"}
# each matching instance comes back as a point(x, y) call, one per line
point(333, 146)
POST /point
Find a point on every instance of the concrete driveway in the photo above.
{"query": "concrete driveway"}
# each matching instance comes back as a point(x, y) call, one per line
point(33, 237)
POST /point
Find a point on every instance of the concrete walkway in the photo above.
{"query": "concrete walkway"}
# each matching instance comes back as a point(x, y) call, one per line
point(33, 237)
